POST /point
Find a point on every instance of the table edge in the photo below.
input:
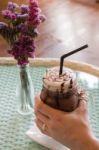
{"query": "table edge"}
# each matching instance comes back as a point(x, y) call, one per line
point(48, 62)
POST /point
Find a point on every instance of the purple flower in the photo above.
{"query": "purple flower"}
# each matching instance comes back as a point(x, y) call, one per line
point(23, 49)
point(13, 16)
point(21, 29)
point(35, 16)
point(22, 16)
point(34, 1)
point(3, 25)
point(42, 18)
point(24, 9)
point(8, 14)
point(12, 6)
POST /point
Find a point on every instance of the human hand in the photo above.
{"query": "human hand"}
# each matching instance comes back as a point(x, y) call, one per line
point(71, 129)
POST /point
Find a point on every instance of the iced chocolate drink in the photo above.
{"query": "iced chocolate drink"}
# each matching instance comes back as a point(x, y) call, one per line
point(60, 92)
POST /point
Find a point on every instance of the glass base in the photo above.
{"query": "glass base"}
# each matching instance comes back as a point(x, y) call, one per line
point(25, 111)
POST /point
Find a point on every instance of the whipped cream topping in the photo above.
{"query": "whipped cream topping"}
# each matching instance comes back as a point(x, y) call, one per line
point(53, 82)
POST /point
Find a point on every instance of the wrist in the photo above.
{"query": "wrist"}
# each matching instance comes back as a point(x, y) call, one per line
point(90, 142)
point(86, 141)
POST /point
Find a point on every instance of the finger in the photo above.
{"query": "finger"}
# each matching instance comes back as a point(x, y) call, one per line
point(45, 109)
point(42, 117)
point(40, 124)
point(36, 111)
point(82, 106)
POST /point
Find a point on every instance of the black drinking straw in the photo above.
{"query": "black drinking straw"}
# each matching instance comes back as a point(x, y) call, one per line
point(69, 54)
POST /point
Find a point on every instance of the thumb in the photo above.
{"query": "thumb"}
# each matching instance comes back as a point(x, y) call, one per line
point(83, 106)
point(44, 108)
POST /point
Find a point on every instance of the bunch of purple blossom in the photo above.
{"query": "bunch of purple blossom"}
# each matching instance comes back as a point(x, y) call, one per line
point(22, 49)
point(21, 29)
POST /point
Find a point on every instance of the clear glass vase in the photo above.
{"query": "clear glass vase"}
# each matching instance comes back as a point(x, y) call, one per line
point(25, 91)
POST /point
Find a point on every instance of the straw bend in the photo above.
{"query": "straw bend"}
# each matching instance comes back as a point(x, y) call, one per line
point(69, 54)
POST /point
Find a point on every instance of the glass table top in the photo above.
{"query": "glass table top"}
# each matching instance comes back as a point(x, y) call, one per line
point(13, 126)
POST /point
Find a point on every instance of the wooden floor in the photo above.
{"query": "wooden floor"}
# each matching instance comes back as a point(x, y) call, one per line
point(69, 25)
